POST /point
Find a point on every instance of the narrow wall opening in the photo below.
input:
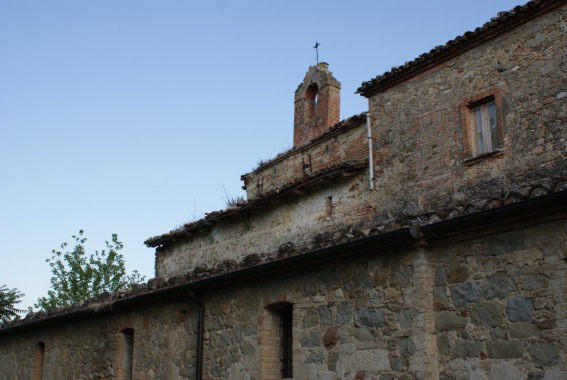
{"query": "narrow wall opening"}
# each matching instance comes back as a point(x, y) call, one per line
point(311, 103)
point(38, 358)
point(277, 342)
point(329, 206)
point(126, 354)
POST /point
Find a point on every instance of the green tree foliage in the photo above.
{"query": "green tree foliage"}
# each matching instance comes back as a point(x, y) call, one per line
point(8, 299)
point(78, 276)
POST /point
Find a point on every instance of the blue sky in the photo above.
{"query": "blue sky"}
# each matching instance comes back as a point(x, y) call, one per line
point(136, 116)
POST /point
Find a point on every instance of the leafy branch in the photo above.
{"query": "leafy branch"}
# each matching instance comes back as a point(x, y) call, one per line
point(8, 299)
point(77, 276)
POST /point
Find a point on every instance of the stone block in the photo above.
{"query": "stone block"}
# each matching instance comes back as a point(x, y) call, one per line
point(371, 317)
point(331, 336)
point(536, 375)
point(505, 243)
point(332, 358)
point(505, 370)
point(498, 285)
point(467, 349)
point(311, 318)
point(362, 334)
point(523, 330)
point(315, 357)
point(449, 320)
point(440, 277)
point(406, 346)
point(505, 349)
point(457, 273)
point(363, 280)
point(371, 360)
point(344, 313)
point(520, 309)
point(491, 263)
point(499, 333)
point(465, 293)
point(440, 298)
point(544, 354)
point(312, 339)
point(397, 363)
point(407, 317)
point(247, 349)
point(534, 282)
point(325, 315)
point(400, 276)
point(443, 344)
point(488, 314)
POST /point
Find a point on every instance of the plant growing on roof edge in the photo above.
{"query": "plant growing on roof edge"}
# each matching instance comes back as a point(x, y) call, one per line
point(262, 162)
point(77, 276)
point(229, 201)
point(8, 299)
point(234, 201)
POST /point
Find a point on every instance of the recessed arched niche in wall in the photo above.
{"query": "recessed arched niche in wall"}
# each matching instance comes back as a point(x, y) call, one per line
point(38, 359)
point(125, 355)
point(311, 103)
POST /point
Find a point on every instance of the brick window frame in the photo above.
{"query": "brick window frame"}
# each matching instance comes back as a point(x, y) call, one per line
point(467, 107)
point(277, 341)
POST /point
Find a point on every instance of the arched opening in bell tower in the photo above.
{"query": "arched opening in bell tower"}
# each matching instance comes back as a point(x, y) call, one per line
point(311, 106)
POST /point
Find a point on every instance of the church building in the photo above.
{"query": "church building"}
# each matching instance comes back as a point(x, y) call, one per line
point(423, 239)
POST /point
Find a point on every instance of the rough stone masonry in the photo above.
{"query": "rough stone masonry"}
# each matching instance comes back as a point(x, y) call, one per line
point(453, 266)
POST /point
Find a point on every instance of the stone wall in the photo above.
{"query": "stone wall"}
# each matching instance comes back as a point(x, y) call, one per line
point(488, 305)
point(346, 142)
point(343, 321)
point(422, 161)
point(164, 346)
point(296, 219)
point(501, 305)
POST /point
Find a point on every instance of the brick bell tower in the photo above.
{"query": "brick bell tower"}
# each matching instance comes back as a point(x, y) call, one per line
point(317, 104)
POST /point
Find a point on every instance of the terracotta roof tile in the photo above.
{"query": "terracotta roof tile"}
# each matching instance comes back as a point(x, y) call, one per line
point(346, 234)
point(495, 26)
point(284, 190)
point(104, 302)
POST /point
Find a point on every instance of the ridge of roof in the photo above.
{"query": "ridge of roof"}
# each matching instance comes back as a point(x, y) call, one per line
point(498, 24)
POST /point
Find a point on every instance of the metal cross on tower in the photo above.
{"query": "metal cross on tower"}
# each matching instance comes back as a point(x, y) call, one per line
point(316, 47)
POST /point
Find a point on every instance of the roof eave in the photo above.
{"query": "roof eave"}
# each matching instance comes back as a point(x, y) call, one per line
point(458, 46)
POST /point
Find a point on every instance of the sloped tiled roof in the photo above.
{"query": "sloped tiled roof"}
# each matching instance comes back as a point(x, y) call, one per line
point(538, 198)
point(497, 25)
point(295, 186)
